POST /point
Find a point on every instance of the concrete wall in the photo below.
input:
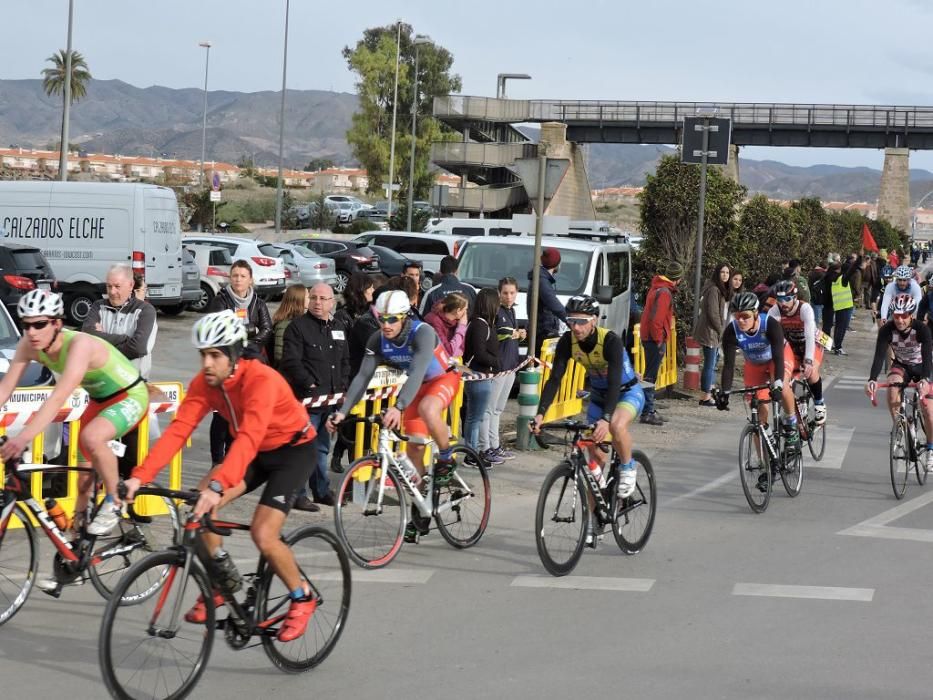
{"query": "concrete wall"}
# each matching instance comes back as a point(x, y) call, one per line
point(573, 197)
point(894, 199)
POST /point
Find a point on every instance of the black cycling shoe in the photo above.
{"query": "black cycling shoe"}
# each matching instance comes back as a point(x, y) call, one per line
point(762, 483)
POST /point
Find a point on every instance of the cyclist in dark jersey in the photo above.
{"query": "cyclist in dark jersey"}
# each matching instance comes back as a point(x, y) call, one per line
point(616, 397)
point(118, 396)
point(912, 344)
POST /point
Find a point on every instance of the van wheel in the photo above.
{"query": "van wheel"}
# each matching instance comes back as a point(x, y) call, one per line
point(174, 310)
point(207, 296)
point(427, 282)
point(343, 279)
point(78, 305)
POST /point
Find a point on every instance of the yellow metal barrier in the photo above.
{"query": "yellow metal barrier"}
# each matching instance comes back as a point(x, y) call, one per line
point(667, 373)
point(566, 403)
point(63, 485)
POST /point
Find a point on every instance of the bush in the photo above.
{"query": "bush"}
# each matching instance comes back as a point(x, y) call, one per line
point(361, 226)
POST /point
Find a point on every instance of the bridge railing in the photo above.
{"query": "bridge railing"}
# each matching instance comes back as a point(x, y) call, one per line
point(481, 153)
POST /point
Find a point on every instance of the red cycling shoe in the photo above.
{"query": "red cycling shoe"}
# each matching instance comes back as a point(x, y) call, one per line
point(198, 614)
point(297, 618)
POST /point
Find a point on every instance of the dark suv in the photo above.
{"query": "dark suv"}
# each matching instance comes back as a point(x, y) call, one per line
point(348, 257)
point(22, 268)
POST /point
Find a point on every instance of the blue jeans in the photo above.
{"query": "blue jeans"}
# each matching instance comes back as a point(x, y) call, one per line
point(710, 355)
point(654, 353)
point(318, 481)
point(477, 400)
point(818, 314)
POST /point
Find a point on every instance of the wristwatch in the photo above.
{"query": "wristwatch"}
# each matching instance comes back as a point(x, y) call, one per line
point(216, 487)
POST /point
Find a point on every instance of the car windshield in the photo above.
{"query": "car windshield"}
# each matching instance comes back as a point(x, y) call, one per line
point(9, 336)
point(483, 264)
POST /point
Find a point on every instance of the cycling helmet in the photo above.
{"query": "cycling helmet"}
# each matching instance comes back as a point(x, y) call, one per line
point(582, 304)
point(223, 330)
point(393, 302)
point(40, 302)
point(903, 272)
point(785, 288)
point(744, 301)
point(903, 304)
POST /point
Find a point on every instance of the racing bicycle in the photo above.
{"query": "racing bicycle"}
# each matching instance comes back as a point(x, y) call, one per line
point(906, 448)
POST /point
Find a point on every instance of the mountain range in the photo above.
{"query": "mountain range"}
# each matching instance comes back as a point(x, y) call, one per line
point(116, 117)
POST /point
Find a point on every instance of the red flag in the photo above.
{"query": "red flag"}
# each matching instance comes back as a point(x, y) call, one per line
point(868, 241)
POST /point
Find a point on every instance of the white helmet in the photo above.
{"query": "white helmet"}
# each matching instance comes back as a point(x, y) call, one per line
point(219, 330)
point(40, 302)
point(393, 302)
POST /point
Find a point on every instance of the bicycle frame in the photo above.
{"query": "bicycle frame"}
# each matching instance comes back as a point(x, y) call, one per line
point(774, 446)
point(578, 459)
point(908, 409)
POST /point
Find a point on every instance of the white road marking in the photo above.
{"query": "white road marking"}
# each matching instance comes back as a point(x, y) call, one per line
point(877, 526)
point(398, 576)
point(837, 444)
point(767, 590)
point(589, 583)
point(715, 483)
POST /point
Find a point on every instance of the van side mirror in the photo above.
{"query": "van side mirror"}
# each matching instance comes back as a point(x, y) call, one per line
point(604, 294)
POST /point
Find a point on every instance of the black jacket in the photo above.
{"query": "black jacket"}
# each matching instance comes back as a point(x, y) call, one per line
point(481, 347)
point(315, 356)
point(444, 285)
point(550, 310)
point(258, 320)
point(360, 333)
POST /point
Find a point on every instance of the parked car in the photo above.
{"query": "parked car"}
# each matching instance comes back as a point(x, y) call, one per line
point(268, 272)
point(348, 257)
point(393, 264)
point(309, 267)
point(428, 248)
point(190, 284)
point(22, 268)
point(214, 272)
point(340, 198)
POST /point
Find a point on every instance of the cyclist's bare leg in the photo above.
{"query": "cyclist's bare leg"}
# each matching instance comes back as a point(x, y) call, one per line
point(94, 438)
point(85, 484)
point(621, 437)
point(894, 398)
point(431, 411)
point(266, 530)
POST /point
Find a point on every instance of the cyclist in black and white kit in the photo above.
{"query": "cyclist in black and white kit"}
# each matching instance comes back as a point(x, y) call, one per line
point(912, 344)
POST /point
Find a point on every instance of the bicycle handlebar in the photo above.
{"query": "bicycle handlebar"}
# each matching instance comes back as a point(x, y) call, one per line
point(883, 385)
point(373, 420)
point(189, 498)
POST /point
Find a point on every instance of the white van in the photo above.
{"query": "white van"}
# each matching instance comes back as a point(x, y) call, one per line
point(471, 227)
point(83, 228)
point(602, 269)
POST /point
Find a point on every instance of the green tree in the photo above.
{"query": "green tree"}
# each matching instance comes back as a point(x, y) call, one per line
point(669, 209)
point(814, 229)
point(768, 237)
point(53, 78)
point(323, 217)
point(373, 60)
point(399, 220)
point(316, 164)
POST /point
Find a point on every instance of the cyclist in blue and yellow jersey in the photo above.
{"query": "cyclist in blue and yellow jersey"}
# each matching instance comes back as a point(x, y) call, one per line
point(118, 396)
point(616, 398)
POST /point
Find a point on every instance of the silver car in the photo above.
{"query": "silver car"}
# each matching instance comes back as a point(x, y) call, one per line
point(311, 267)
point(214, 267)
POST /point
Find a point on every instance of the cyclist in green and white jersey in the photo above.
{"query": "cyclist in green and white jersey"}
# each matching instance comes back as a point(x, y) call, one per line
point(118, 396)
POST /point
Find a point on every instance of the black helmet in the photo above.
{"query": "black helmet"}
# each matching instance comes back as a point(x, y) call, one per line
point(744, 301)
point(785, 288)
point(583, 304)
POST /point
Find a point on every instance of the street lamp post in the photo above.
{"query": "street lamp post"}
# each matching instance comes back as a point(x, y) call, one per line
point(66, 111)
point(418, 42)
point(502, 77)
point(398, 50)
point(279, 190)
point(207, 58)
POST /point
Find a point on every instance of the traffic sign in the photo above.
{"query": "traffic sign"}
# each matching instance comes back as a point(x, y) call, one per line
point(215, 182)
point(527, 170)
point(717, 150)
point(215, 195)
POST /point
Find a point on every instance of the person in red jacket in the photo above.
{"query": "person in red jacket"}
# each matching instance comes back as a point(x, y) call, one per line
point(271, 445)
point(657, 321)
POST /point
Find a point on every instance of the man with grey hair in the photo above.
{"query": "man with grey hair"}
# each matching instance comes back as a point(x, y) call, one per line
point(316, 362)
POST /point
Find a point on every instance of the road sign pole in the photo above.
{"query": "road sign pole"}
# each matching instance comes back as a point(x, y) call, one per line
point(536, 263)
point(700, 221)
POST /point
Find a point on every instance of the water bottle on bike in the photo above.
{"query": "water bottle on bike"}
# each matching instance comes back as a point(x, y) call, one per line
point(408, 468)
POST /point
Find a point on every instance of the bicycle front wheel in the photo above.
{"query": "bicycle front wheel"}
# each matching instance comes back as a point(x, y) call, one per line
point(754, 469)
point(370, 520)
point(633, 517)
point(130, 542)
point(322, 562)
point(19, 561)
point(899, 458)
point(149, 650)
point(792, 473)
point(560, 520)
point(462, 505)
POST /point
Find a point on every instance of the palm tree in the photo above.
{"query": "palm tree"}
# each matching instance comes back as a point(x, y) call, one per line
point(53, 79)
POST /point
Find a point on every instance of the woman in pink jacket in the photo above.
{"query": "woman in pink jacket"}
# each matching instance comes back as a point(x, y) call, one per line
point(448, 319)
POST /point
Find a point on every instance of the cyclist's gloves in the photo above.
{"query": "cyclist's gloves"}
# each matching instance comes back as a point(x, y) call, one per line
point(777, 388)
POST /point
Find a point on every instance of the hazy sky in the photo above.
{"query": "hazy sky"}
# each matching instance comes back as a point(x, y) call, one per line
point(843, 51)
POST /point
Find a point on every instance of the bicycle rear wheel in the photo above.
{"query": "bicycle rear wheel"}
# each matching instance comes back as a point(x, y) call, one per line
point(792, 473)
point(560, 520)
point(754, 471)
point(139, 539)
point(461, 506)
point(323, 562)
point(633, 518)
point(19, 561)
point(899, 458)
point(149, 650)
point(920, 464)
point(369, 524)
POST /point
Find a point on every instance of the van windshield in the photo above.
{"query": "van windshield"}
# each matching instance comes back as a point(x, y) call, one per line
point(483, 264)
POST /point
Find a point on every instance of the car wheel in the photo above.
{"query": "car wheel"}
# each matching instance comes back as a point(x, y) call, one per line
point(78, 305)
point(427, 281)
point(207, 296)
point(343, 279)
point(174, 310)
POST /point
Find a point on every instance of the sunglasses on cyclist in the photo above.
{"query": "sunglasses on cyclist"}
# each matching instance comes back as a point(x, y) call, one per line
point(743, 316)
point(900, 316)
point(784, 298)
point(38, 325)
point(390, 318)
point(576, 321)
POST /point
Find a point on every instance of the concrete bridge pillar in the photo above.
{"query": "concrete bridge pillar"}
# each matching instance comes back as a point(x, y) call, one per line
point(894, 198)
point(731, 169)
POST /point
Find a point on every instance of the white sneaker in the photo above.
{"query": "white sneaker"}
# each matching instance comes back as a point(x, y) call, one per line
point(627, 479)
point(819, 412)
point(106, 519)
point(929, 461)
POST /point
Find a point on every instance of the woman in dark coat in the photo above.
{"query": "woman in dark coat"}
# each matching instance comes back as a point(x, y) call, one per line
point(714, 310)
